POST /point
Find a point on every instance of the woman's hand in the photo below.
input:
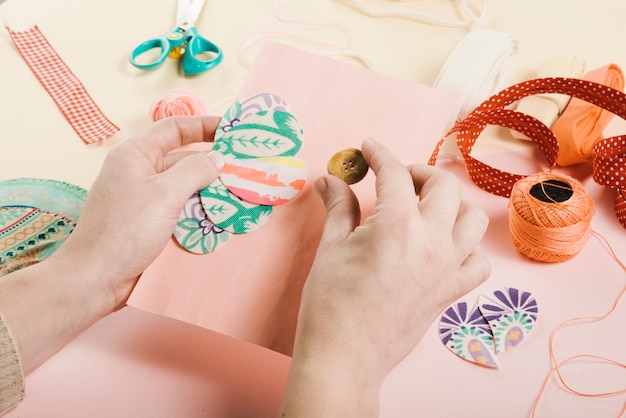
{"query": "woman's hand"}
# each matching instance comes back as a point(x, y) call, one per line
point(133, 205)
point(374, 289)
point(130, 212)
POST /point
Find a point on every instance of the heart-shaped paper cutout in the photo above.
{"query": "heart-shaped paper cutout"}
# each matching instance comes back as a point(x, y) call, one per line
point(465, 332)
point(511, 314)
point(505, 317)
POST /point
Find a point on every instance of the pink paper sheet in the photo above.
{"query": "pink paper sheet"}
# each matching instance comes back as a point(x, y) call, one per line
point(136, 364)
point(250, 289)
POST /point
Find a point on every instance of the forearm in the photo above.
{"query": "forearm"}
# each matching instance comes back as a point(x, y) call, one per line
point(334, 371)
point(47, 305)
point(318, 388)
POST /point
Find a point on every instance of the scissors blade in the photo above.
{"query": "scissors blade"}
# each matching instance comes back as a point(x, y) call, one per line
point(188, 12)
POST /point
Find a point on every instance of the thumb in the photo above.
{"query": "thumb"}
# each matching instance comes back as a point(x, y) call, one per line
point(343, 213)
point(192, 173)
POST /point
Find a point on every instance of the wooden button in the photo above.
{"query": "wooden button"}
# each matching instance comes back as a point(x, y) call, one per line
point(349, 165)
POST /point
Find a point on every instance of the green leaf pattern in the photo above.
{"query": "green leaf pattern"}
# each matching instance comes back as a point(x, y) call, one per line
point(230, 212)
point(192, 237)
point(195, 232)
point(269, 133)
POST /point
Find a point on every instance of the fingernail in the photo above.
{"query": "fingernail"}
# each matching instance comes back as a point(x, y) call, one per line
point(321, 186)
point(217, 158)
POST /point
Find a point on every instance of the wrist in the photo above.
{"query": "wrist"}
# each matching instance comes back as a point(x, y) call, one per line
point(317, 387)
point(328, 379)
point(85, 278)
point(48, 304)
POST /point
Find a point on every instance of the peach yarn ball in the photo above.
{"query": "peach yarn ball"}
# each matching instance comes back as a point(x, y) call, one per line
point(553, 230)
point(176, 102)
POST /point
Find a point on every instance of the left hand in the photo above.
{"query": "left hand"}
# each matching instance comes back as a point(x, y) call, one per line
point(133, 206)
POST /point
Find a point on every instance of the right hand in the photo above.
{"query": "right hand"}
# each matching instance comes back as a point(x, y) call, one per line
point(374, 289)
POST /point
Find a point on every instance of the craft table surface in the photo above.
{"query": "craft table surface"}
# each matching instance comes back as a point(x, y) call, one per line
point(138, 364)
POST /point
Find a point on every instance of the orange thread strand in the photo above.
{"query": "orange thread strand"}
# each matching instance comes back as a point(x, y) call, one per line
point(557, 366)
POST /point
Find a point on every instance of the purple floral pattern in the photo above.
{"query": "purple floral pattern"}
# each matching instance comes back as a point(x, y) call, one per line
point(498, 323)
point(464, 331)
point(511, 314)
point(194, 230)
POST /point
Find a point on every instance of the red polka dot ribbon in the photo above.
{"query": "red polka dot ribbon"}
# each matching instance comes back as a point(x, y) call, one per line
point(63, 86)
point(609, 169)
point(609, 155)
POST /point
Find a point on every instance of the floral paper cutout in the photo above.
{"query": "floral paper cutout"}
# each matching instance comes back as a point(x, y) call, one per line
point(268, 133)
point(259, 139)
point(251, 106)
point(195, 231)
point(232, 213)
point(498, 323)
point(511, 315)
point(466, 333)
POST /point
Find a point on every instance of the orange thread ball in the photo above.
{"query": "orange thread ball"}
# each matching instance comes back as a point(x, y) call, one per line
point(550, 216)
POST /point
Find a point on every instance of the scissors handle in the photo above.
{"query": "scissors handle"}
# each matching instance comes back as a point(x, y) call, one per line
point(197, 48)
point(165, 45)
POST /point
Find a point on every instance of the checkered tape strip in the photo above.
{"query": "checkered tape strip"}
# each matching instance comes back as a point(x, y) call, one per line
point(63, 86)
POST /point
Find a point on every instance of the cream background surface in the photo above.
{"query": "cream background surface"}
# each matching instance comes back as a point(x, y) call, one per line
point(95, 39)
point(138, 364)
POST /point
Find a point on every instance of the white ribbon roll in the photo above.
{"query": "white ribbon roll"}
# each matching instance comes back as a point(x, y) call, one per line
point(481, 65)
point(548, 107)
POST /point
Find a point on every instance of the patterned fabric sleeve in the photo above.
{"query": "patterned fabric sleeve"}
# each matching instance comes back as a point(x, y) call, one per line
point(11, 374)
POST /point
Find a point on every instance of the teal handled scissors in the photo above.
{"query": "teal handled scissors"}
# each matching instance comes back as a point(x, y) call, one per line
point(183, 41)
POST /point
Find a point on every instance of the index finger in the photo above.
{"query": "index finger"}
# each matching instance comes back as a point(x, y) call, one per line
point(393, 182)
point(170, 133)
